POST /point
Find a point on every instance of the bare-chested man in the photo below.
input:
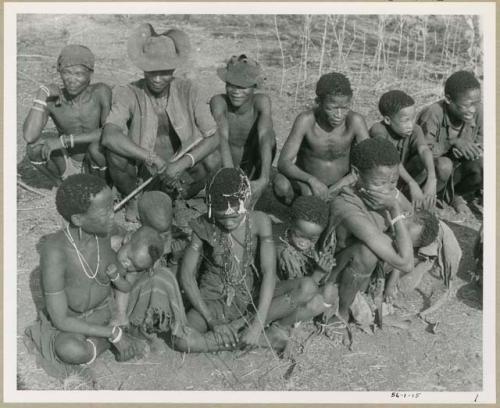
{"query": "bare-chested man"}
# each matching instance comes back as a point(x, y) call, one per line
point(75, 327)
point(315, 157)
point(245, 123)
point(78, 111)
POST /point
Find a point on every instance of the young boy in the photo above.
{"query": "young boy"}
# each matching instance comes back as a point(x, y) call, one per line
point(309, 252)
point(238, 265)
point(245, 123)
point(315, 157)
point(75, 326)
point(363, 214)
point(78, 111)
point(398, 127)
point(453, 127)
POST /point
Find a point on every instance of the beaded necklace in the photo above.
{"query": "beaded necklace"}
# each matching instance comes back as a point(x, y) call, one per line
point(83, 262)
point(234, 273)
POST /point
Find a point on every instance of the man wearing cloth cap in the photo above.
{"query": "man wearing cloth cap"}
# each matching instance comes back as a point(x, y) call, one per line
point(78, 110)
point(245, 123)
point(158, 124)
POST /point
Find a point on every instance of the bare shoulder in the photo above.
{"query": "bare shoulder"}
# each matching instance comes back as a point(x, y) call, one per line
point(53, 245)
point(305, 119)
point(261, 223)
point(355, 119)
point(100, 89)
point(218, 102)
point(262, 102)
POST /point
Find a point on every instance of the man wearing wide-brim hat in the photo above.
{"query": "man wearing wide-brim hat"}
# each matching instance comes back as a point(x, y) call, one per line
point(159, 124)
point(78, 108)
point(245, 123)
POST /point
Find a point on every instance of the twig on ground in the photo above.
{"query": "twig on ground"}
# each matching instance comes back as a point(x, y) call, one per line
point(32, 190)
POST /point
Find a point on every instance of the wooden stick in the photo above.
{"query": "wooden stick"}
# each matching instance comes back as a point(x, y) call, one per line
point(26, 187)
point(132, 194)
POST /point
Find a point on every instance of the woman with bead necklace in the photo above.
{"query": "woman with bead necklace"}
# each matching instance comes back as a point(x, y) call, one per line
point(74, 327)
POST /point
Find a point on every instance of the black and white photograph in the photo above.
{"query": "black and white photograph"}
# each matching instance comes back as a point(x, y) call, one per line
point(247, 197)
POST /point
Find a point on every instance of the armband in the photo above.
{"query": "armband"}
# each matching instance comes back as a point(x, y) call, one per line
point(40, 102)
point(268, 238)
point(53, 293)
point(44, 89)
point(72, 140)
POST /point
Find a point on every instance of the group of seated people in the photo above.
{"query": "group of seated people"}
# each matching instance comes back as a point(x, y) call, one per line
point(362, 204)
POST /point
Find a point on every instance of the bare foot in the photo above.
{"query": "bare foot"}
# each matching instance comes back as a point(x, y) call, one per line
point(132, 211)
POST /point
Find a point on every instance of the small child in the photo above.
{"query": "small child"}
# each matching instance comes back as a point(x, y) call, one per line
point(398, 126)
point(454, 129)
point(138, 253)
point(309, 252)
point(315, 157)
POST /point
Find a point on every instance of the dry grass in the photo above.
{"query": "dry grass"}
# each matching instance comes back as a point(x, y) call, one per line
point(411, 53)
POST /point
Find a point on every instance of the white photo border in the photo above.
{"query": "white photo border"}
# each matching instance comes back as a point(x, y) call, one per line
point(486, 11)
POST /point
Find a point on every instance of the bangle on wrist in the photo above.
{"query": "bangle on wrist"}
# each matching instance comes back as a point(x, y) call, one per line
point(45, 90)
point(193, 162)
point(40, 102)
point(150, 158)
point(63, 142)
point(116, 338)
point(397, 218)
point(115, 278)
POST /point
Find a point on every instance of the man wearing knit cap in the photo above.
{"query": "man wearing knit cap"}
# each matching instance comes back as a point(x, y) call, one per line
point(159, 124)
point(78, 110)
point(245, 123)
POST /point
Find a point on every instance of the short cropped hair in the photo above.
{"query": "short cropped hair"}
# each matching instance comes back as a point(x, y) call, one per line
point(333, 84)
point(155, 210)
point(430, 226)
point(374, 152)
point(460, 82)
point(392, 102)
point(75, 193)
point(310, 208)
point(149, 237)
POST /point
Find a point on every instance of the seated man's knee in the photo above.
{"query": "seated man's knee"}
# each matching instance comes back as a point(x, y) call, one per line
point(73, 348)
point(444, 168)
point(34, 152)
point(282, 187)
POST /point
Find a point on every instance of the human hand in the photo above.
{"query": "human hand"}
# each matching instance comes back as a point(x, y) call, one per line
point(126, 348)
point(429, 191)
point(155, 164)
point(49, 145)
point(318, 188)
point(50, 91)
point(467, 149)
point(416, 194)
point(250, 336)
point(172, 173)
point(326, 261)
point(380, 199)
point(224, 333)
point(112, 272)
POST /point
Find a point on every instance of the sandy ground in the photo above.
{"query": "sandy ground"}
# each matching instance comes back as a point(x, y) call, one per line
point(449, 358)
